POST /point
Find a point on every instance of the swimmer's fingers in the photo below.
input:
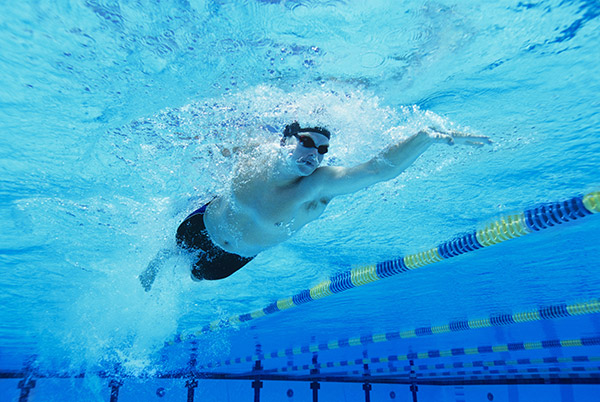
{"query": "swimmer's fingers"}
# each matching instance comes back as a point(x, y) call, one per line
point(438, 135)
point(474, 144)
point(457, 137)
point(469, 139)
point(442, 138)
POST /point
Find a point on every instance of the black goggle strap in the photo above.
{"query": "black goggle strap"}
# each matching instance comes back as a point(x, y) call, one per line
point(292, 130)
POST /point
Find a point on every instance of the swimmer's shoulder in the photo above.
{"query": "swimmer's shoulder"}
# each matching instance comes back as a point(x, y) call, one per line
point(325, 173)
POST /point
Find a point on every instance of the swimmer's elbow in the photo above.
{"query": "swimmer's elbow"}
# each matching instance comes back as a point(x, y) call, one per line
point(382, 169)
point(350, 180)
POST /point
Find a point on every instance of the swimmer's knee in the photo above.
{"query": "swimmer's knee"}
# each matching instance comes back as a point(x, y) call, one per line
point(196, 275)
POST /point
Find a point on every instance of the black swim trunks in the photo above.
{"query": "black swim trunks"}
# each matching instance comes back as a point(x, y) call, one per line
point(213, 262)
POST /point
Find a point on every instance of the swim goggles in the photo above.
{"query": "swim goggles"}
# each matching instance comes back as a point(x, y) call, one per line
point(308, 142)
point(292, 130)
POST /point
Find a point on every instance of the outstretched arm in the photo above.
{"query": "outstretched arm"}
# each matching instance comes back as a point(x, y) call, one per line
point(390, 162)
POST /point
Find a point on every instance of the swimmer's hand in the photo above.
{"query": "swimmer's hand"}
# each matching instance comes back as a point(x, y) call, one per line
point(455, 137)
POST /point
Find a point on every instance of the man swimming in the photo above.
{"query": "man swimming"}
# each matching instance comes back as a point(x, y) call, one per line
point(269, 202)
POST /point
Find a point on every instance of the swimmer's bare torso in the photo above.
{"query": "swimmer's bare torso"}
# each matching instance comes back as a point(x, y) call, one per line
point(261, 211)
point(270, 200)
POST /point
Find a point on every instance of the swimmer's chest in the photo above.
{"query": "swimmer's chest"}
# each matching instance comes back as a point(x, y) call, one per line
point(295, 216)
point(281, 206)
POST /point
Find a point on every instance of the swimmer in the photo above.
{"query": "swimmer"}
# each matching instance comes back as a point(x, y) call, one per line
point(270, 202)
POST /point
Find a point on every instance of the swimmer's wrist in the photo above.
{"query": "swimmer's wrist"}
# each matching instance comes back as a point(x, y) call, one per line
point(435, 136)
point(426, 136)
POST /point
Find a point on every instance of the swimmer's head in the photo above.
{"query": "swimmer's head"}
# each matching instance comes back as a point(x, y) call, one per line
point(312, 145)
point(292, 130)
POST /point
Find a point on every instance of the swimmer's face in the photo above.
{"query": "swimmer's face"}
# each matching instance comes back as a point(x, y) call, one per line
point(310, 151)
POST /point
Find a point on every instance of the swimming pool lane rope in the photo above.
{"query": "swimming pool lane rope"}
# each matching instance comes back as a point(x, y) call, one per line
point(552, 344)
point(496, 320)
point(507, 227)
point(548, 364)
point(473, 351)
point(485, 371)
point(423, 369)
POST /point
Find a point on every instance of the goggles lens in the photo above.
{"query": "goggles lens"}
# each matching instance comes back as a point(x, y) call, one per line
point(308, 142)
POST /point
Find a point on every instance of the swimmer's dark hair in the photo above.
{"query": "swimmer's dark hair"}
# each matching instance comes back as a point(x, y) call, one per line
point(292, 130)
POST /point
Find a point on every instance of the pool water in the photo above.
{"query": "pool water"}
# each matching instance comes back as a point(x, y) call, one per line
point(113, 117)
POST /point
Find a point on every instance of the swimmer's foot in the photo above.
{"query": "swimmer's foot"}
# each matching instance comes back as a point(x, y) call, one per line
point(148, 277)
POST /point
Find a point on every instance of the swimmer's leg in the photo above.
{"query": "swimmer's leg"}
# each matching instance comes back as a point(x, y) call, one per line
point(217, 266)
point(149, 275)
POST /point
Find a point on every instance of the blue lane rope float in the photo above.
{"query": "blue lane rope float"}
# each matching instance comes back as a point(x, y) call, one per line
point(461, 370)
point(531, 373)
point(423, 368)
point(487, 374)
point(504, 363)
point(461, 352)
point(554, 311)
point(507, 227)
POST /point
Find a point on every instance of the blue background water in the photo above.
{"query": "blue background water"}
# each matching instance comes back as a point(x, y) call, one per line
point(112, 115)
